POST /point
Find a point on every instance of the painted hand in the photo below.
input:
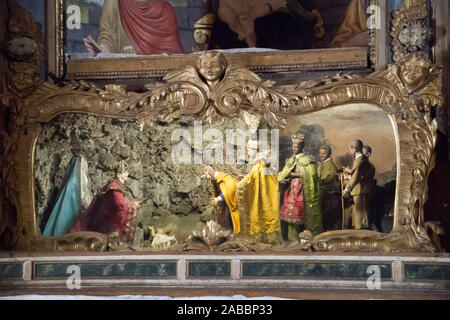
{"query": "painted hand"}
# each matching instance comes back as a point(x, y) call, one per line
point(135, 204)
point(347, 170)
point(345, 194)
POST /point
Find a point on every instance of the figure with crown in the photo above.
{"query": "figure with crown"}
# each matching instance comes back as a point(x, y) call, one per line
point(300, 193)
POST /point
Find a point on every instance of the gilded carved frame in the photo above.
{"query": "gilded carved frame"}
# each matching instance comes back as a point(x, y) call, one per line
point(157, 66)
point(31, 102)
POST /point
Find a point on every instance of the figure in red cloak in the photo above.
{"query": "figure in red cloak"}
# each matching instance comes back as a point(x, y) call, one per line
point(110, 212)
point(137, 26)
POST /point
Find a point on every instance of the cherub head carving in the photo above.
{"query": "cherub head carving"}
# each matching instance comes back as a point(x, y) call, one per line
point(22, 76)
point(211, 65)
point(414, 72)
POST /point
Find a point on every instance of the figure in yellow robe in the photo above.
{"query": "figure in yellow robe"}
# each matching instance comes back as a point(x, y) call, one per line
point(257, 198)
point(253, 203)
point(227, 188)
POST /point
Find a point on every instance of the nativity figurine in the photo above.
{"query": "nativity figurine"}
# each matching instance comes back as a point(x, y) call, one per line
point(110, 211)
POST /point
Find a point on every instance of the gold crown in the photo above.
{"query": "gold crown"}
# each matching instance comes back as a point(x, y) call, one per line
point(298, 138)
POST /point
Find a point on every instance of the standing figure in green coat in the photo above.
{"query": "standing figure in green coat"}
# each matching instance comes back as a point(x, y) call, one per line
point(329, 190)
point(300, 193)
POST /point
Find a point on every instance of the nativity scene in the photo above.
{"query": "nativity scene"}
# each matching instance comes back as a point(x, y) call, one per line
point(316, 178)
point(221, 168)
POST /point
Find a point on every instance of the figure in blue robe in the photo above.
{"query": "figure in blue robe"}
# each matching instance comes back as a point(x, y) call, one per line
point(72, 199)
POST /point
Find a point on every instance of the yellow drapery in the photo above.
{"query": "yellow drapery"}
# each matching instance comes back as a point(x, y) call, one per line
point(112, 36)
point(355, 22)
point(227, 185)
point(258, 201)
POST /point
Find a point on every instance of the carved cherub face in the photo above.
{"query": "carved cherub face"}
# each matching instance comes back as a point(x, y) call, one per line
point(211, 66)
point(413, 73)
point(22, 78)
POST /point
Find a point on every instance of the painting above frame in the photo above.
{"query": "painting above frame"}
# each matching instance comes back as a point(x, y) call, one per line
point(93, 39)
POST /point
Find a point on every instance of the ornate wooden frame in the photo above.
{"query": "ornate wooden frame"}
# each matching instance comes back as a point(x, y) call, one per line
point(31, 102)
point(158, 66)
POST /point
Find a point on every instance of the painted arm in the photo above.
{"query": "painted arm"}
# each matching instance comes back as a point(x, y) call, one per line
point(108, 26)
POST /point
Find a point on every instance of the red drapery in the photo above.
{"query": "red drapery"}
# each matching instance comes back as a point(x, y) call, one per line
point(151, 27)
point(108, 212)
point(292, 209)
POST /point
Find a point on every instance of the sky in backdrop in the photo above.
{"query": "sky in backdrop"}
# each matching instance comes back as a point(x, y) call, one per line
point(342, 124)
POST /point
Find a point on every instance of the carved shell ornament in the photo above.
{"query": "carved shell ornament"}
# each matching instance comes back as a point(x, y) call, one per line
point(231, 89)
